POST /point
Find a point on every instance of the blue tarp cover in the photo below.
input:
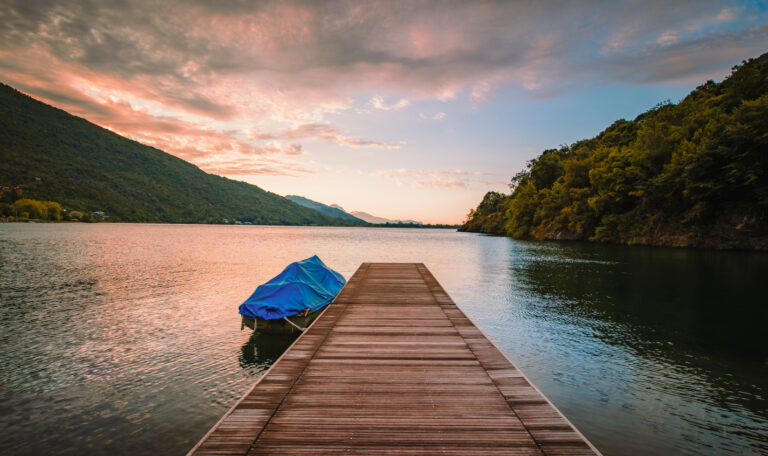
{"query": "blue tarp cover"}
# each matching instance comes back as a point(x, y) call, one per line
point(306, 283)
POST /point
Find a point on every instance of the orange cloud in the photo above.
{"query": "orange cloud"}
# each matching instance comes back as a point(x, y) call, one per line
point(262, 78)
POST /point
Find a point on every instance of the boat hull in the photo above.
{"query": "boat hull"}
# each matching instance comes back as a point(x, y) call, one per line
point(280, 326)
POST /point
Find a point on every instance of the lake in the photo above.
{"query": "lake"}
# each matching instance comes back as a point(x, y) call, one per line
point(125, 338)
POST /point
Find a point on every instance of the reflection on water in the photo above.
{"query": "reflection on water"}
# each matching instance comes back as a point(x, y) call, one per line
point(647, 350)
point(680, 295)
point(264, 349)
point(125, 339)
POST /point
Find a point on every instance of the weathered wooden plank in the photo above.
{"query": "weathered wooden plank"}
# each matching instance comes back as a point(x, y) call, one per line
point(393, 367)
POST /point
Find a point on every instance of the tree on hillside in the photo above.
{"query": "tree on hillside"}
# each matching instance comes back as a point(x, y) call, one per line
point(692, 173)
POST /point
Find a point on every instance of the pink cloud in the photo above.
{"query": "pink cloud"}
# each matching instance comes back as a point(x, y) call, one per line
point(725, 15)
point(325, 132)
point(457, 179)
point(246, 167)
point(192, 57)
point(260, 78)
point(379, 103)
point(135, 109)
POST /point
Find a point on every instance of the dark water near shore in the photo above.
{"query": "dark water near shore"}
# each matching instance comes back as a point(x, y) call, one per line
point(125, 339)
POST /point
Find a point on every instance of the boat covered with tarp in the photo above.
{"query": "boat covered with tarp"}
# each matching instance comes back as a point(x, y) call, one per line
point(292, 299)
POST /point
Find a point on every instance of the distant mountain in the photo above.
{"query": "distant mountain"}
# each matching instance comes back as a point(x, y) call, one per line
point(333, 210)
point(380, 220)
point(63, 158)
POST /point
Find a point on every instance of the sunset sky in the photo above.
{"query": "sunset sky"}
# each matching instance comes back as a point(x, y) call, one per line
point(409, 110)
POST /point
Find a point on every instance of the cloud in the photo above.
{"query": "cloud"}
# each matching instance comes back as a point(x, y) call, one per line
point(438, 116)
point(325, 132)
point(479, 92)
point(667, 38)
point(420, 49)
point(248, 167)
point(456, 180)
point(200, 79)
point(691, 60)
point(274, 148)
point(725, 15)
point(378, 103)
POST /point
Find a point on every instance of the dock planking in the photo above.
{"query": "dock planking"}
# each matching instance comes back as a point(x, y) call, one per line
point(393, 367)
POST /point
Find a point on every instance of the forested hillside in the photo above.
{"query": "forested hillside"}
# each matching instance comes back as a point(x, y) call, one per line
point(687, 174)
point(51, 155)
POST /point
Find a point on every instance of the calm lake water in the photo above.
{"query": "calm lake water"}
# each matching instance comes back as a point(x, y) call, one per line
point(125, 339)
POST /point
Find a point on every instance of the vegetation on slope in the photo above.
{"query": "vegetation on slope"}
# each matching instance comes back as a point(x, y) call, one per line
point(25, 208)
point(55, 156)
point(690, 174)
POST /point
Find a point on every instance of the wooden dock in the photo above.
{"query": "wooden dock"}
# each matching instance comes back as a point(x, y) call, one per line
point(393, 367)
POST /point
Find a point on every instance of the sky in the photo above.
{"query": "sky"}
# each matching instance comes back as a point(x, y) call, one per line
point(406, 110)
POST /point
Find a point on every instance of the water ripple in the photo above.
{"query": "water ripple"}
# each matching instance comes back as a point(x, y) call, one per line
point(124, 339)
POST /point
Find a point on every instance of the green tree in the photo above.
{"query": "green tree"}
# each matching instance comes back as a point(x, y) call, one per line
point(33, 209)
point(53, 210)
point(692, 173)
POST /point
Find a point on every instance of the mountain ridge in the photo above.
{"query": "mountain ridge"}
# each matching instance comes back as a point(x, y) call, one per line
point(56, 156)
point(333, 210)
point(338, 211)
point(381, 220)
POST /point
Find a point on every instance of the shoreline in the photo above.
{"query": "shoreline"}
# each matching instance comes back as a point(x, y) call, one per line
point(401, 226)
point(760, 247)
